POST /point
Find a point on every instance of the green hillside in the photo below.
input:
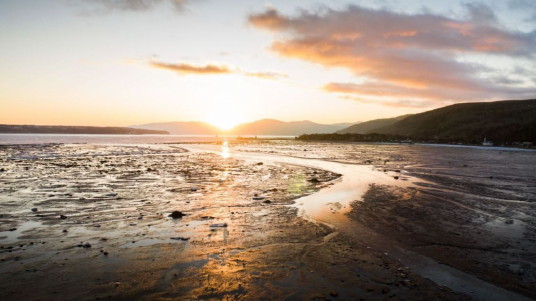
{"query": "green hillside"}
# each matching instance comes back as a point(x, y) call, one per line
point(500, 121)
point(370, 126)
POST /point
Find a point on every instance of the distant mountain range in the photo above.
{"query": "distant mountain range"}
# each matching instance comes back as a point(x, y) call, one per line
point(499, 121)
point(276, 127)
point(182, 128)
point(61, 129)
point(259, 127)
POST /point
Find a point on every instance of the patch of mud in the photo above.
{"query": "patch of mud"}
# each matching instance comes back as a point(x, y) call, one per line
point(473, 209)
point(93, 221)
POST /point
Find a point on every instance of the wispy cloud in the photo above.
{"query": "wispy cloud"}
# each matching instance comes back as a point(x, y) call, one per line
point(103, 6)
point(400, 55)
point(185, 68)
point(191, 69)
point(267, 75)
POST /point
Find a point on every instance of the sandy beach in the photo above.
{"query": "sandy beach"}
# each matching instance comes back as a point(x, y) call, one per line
point(239, 222)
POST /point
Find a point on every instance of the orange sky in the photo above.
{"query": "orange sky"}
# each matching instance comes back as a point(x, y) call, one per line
point(125, 62)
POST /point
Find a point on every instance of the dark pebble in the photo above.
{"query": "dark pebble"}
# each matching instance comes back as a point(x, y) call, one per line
point(176, 214)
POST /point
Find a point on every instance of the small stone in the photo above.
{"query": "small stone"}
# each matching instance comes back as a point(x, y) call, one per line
point(267, 202)
point(63, 216)
point(86, 245)
point(395, 177)
point(223, 225)
point(34, 209)
point(176, 214)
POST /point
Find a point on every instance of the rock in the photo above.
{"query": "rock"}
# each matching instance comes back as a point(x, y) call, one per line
point(193, 189)
point(267, 202)
point(34, 209)
point(12, 229)
point(86, 245)
point(223, 225)
point(176, 214)
point(180, 238)
point(111, 194)
point(396, 177)
point(63, 216)
point(260, 163)
point(64, 231)
point(509, 221)
point(314, 180)
point(258, 198)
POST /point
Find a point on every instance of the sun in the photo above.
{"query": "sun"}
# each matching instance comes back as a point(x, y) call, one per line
point(225, 116)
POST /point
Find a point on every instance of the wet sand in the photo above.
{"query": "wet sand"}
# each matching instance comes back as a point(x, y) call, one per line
point(243, 237)
point(469, 209)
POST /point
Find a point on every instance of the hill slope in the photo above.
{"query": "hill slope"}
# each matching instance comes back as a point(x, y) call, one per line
point(259, 127)
point(369, 126)
point(276, 127)
point(500, 121)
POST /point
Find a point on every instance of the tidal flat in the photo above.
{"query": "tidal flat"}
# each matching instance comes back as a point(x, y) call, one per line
point(273, 220)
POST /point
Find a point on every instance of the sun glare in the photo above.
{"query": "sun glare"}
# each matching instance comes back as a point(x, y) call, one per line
point(225, 117)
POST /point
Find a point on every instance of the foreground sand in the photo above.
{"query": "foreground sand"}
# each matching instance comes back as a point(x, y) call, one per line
point(469, 208)
point(117, 200)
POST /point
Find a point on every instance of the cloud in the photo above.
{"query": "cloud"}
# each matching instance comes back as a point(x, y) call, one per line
point(267, 75)
point(184, 68)
point(192, 69)
point(102, 6)
point(418, 56)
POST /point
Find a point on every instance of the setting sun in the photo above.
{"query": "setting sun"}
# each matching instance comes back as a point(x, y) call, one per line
point(225, 116)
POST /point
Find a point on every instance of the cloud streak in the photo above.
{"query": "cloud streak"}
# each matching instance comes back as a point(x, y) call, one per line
point(191, 69)
point(132, 5)
point(416, 57)
point(267, 75)
point(184, 68)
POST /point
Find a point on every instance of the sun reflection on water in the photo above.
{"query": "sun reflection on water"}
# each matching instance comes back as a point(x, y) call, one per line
point(225, 151)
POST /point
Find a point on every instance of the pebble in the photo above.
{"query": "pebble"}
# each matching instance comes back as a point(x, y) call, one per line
point(176, 214)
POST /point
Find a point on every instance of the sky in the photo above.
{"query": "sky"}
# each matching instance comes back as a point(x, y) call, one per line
point(128, 62)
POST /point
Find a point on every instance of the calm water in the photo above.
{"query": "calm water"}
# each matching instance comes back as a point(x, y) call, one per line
point(113, 139)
